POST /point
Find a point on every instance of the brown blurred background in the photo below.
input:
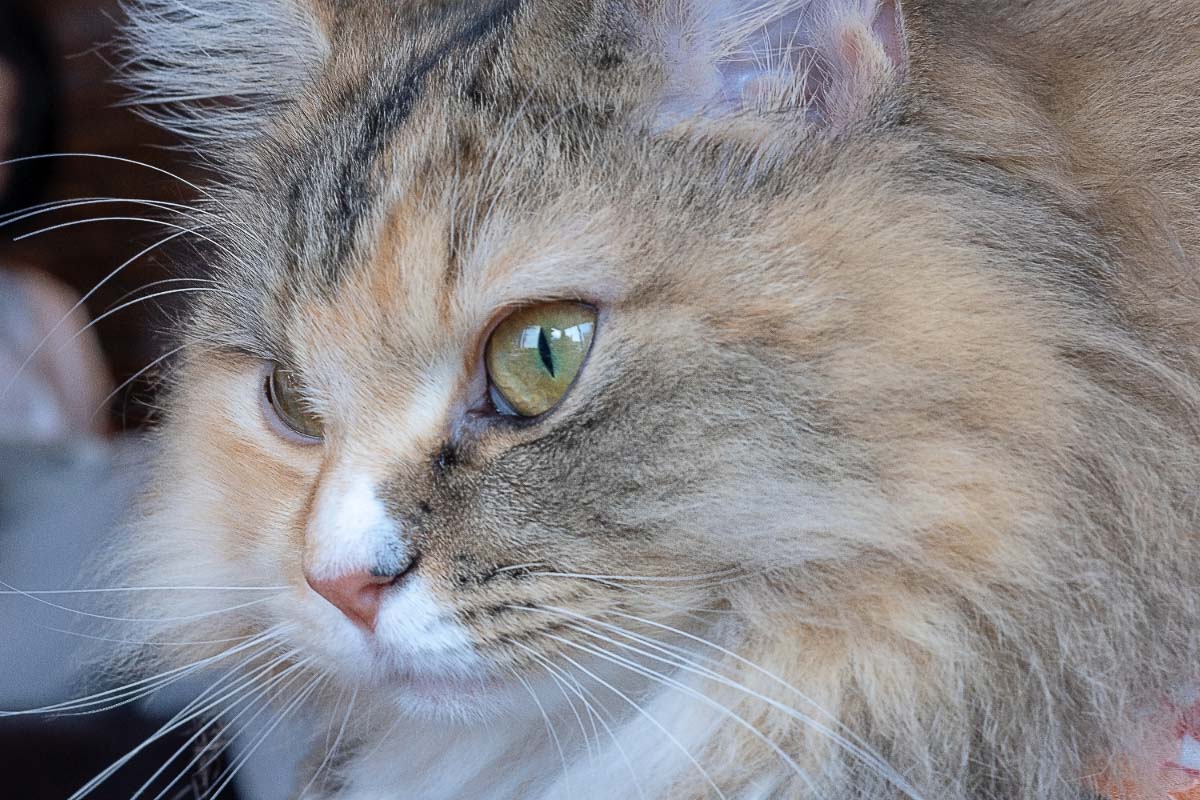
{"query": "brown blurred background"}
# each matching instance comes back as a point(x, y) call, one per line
point(61, 54)
point(89, 118)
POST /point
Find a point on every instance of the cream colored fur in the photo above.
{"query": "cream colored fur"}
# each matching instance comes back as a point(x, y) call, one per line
point(880, 480)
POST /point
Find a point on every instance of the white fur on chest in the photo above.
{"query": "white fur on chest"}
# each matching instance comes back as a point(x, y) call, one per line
point(641, 755)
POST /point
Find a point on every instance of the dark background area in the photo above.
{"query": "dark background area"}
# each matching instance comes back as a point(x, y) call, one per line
point(64, 54)
point(79, 83)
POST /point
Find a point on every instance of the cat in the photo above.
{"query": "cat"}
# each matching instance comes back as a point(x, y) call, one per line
point(684, 398)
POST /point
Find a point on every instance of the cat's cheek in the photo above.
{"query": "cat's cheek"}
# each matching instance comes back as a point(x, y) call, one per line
point(260, 485)
point(419, 632)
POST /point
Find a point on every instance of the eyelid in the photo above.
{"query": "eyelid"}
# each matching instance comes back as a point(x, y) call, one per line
point(501, 404)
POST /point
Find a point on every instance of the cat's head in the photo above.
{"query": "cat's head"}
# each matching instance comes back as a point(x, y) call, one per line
point(535, 317)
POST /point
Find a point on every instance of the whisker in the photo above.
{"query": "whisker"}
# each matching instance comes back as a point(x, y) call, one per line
point(331, 749)
point(850, 742)
point(232, 770)
point(103, 157)
point(750, 664)
point(594, 708)
point(109, 590)
point(147, 220)
point(48, 207)
point(264, 701)
point(516, 567)
point(562, 688)
point(93, 220)
point(682, 687)
point(104, 404)
point(197, 708)
point(689, 611)
point(248, 700)
point(656, 579)
point(649, 717)
point(125, 305)
point(78, 305)
point(189, 212)
point(12, 218)
point(200, 615)
point(549, 729)
point(171, 675)
point(157, 643)
point(162, 282)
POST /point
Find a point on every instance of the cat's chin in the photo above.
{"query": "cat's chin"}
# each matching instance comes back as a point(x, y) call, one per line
point(429, 690)
point(447, 686)
point(449, 697)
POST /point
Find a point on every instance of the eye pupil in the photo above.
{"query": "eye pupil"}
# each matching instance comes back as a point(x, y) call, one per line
point(545, 353)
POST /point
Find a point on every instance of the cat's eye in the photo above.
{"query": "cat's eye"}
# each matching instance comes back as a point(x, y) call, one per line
point(534, 356)
point(286, 398)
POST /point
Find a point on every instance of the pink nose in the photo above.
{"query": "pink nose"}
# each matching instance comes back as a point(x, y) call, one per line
point(358, 595)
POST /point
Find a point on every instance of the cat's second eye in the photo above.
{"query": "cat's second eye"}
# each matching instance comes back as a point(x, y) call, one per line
point(286, 400)
point(534, 356)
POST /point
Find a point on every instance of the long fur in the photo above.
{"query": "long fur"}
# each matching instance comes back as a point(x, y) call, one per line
point(881, 479)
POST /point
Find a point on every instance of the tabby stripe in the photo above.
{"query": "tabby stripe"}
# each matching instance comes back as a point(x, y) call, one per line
point(379, 124)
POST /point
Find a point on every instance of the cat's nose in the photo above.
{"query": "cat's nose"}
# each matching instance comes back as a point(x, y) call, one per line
point(359, 594)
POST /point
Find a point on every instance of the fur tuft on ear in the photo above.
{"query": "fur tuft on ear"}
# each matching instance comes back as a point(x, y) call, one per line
point(213, 70)
point(824, 58)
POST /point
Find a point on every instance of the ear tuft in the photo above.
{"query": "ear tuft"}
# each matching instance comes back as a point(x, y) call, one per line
point(827, 59)
point(213, 70)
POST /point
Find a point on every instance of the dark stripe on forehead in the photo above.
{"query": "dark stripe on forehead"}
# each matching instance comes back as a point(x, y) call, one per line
point(345, 171)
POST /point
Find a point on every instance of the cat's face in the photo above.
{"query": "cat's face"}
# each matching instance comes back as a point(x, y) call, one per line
point(791, 368)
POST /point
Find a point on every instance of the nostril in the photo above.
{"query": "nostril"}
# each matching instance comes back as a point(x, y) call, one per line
point(359, 594)
point(393, 571)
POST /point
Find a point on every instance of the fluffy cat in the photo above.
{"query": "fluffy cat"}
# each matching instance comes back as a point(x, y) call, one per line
point(866, 465)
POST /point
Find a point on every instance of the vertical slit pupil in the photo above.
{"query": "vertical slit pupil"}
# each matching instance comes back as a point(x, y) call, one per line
point(545, 353)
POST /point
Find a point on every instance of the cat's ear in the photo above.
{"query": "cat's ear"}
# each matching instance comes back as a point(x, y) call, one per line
point(827, 59)
point(213, 70)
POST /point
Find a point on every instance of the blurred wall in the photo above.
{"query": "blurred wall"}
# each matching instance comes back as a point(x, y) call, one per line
point(91, 119)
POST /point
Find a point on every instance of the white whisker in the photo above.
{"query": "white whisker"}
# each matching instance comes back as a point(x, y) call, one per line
point(162, 679)
point(850, 742)
point(199, 615)
point(128, 381)
point(85, 202)
point(248, 700)
point(103, 157)
point(111, 590)
point(549, 729)
point(562, 688)
point(225, 778)
point(78, 305)
point(156, 643)
point(594, 706)
point(138, 301)
point(162, 282)
point(193, 710)
point(331, 749)
point(658, 677)
point(650, 718)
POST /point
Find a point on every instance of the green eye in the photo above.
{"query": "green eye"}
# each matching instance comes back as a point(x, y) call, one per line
point(535, 355)
point(287, 400)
